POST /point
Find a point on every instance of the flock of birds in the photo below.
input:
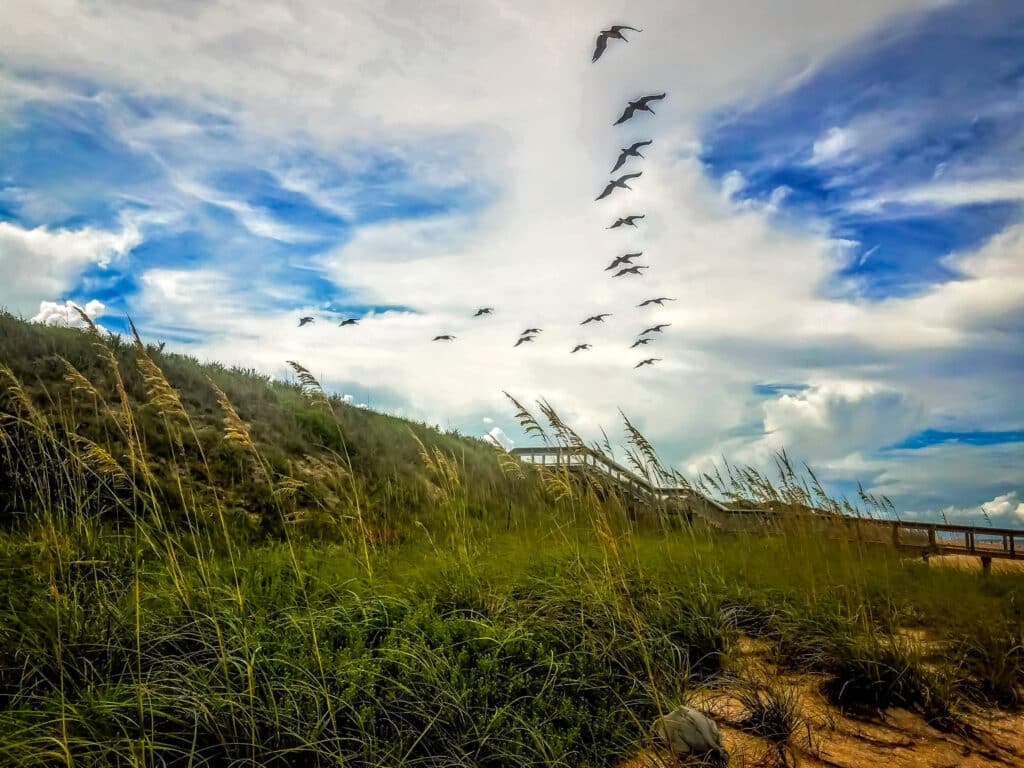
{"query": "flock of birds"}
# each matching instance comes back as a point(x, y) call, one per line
point(623, 264)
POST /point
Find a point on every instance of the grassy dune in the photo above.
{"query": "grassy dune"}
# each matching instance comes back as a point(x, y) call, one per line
point(202, 567)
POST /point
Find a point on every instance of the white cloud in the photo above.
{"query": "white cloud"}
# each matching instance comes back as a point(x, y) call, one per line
point(54, 313)
point(1006, 504)
point(732, 183)
point(947, 194)
point(40, 263)
point(833, 146)
point(498, 437)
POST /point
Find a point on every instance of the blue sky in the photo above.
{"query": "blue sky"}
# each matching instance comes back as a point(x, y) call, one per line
point(834, 196)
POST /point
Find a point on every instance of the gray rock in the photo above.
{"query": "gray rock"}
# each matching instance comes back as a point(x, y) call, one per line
point(689, 733)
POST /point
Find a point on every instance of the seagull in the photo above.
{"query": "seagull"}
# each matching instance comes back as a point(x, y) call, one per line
point(655, 328)
point(627, 221)
point(660, 302)
point(640, 105)
point(602, 38)
point(305, 321)
point(349, 321)
point(631, 270)
point(638, 342)
point(648, 361)
point(578, 347)
point(628, 152)
point(446, 337)
point(522, 339)
point(596, 318)
point(627, 259)
point(619, 183)
point(528, 331)
point(484, 311)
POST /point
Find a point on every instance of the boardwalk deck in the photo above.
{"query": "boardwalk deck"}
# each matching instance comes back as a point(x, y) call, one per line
point(925, 538)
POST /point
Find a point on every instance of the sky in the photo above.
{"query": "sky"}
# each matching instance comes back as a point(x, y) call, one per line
point(834, 199)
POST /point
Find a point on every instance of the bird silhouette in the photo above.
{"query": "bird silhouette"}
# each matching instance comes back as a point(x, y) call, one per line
point(602, 38)
point(660, 301)
point(640, 105)
point(349, 321)
point(638, 342)
point(523, 339)
point(627, 259)
point(484, 311)
point(648, 361)
point(631, 270)
point(445, 337)
point(578, 347)
point(597, 318)
point(305, 321)
point(655, 328)
point(619, 183)
point(528, 331)
point(627, 152)
point(627, 221)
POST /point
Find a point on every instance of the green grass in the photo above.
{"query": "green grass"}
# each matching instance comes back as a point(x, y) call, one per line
point(199, 567)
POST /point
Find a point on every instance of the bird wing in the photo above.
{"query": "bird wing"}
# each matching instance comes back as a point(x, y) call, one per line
point(602, 43)
point(620, 27)
point(639, 144)
point(627, 113)
point(620, 162)
point(607, 191)
point(647, 99)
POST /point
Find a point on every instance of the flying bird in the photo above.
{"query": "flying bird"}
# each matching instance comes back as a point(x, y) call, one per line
point(484, 311)
point(619, 183)
point(528, 331)
point(596, 318)
point(660, 301)
point(631, 270)
point(627, 221)
point(655, 328)
point(627, 152)
point(602, 38)
point(640, 105)
point(638, 342)
point(578, 347)
point(349, 321)
point(445, 337)
point(648, 361)
point(305, 321)
point(523, 339)
point(627, 259)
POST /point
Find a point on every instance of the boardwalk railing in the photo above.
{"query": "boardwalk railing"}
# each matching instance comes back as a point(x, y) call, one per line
point(926, 538)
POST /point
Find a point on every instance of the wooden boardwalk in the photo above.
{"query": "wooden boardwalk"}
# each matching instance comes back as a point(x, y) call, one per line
point(924, 538)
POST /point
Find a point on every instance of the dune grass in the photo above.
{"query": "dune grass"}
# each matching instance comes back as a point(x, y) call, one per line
point(202, 567)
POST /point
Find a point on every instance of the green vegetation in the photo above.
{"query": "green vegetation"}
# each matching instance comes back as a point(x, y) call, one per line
point(202, 567)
